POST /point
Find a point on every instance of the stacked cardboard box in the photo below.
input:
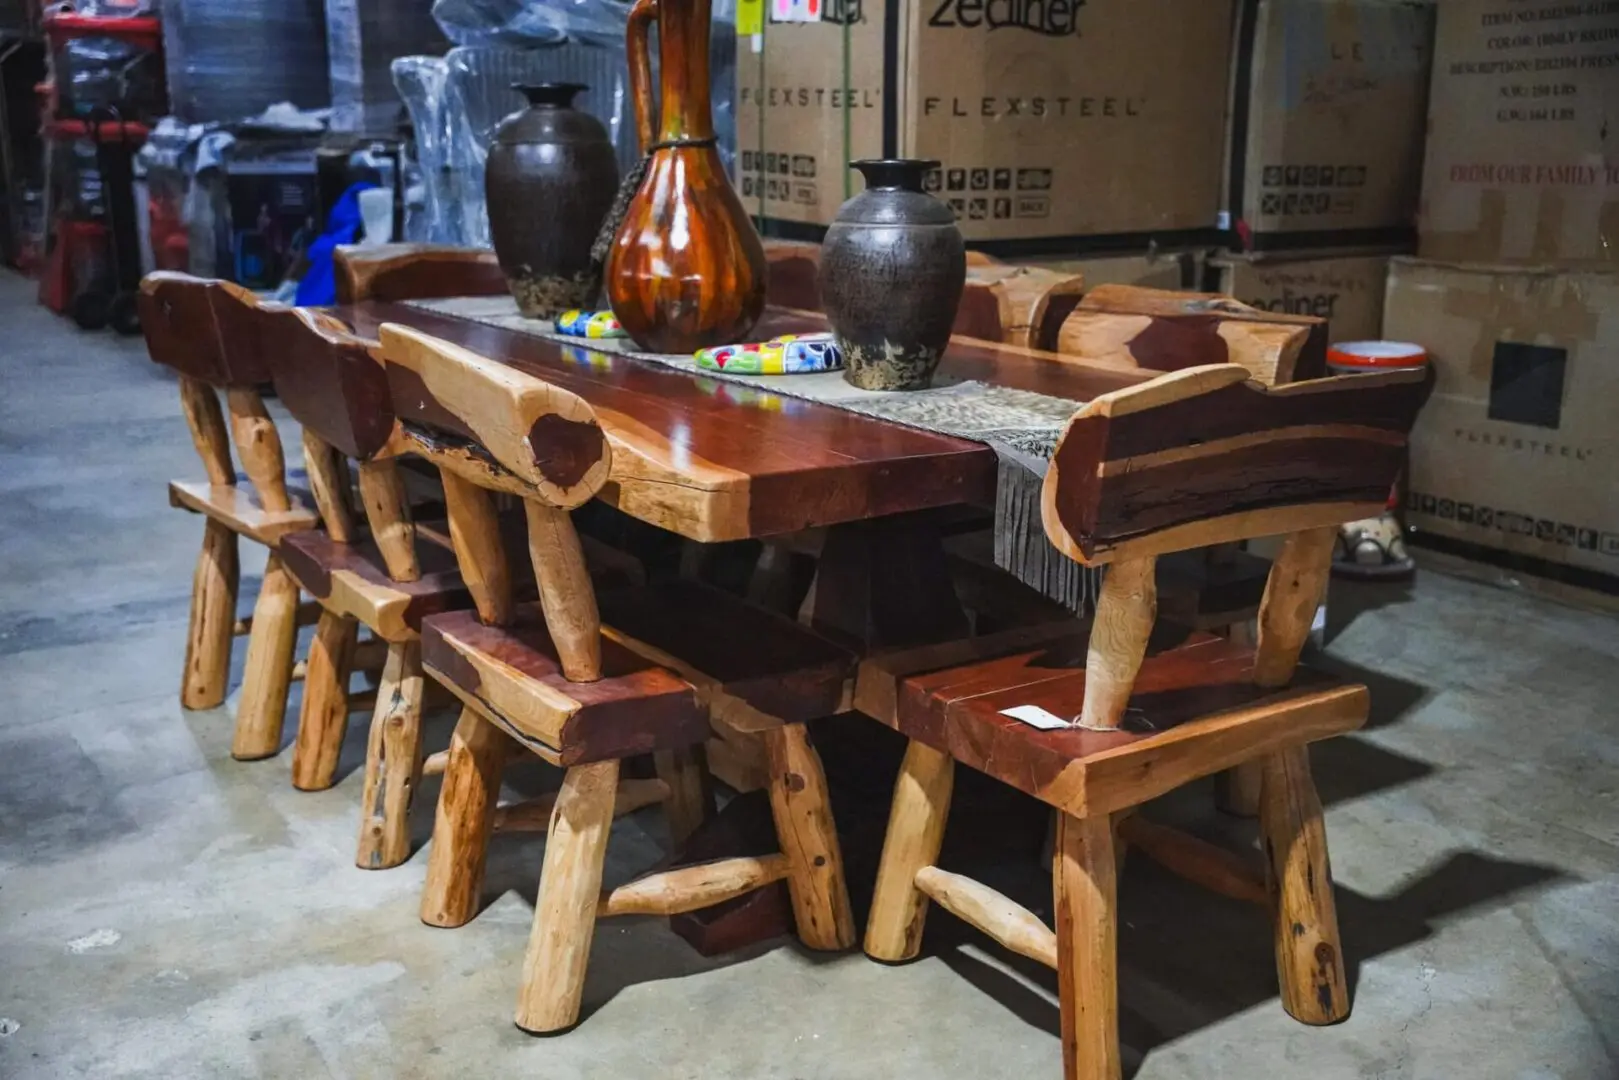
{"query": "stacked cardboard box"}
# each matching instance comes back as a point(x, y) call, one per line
point(1056, 121)
point(1516, 296)
point(1323, 155)
point(1325, 138)
point(1523, 150)
point(1345, 289)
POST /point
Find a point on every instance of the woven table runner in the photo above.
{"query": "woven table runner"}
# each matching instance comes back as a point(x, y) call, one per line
point(1020, 426)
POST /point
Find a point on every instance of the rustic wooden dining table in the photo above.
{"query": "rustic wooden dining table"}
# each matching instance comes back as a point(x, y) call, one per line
point(714, 461)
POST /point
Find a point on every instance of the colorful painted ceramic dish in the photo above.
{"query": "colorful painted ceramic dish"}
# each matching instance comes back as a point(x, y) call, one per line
point(789, 354)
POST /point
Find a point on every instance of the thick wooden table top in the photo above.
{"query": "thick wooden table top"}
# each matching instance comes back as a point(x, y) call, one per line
point(717, 461)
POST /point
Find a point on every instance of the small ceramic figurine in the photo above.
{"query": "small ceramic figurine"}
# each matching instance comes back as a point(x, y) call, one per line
point(789, 354)
point(892, 270)
point(549, 181)
point(589, 324)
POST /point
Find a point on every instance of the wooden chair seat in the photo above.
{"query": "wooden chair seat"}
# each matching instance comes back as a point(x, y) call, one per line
point(511, 674)
point(755, 669)
point(1194, 710)
point(240, 510)
point(352, 580)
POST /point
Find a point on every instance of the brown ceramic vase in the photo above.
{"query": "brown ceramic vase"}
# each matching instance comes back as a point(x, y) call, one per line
point(549, 182)
point(686, 270)
point(892, 270)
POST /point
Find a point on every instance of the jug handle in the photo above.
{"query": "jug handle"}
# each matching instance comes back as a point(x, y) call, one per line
point(640, 56)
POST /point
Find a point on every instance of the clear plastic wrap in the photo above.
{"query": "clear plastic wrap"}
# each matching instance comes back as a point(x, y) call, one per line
point(543, 23)
point(363, 37)
point(229, 59)
point(432, 193)
point(532, 22)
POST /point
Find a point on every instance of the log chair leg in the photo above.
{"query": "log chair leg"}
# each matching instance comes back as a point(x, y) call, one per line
point(262, 709)
point(691, 800)
point(570, 890)
point(1309, 958)
point(915, 833)
point(1124, 616)
point(809, 839)
point(1084, 886)
point(466, 811)
point(393, 760)
point(213, 619)
point(323, 719)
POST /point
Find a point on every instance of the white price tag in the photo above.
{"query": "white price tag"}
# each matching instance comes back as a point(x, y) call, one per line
point(1035, 716)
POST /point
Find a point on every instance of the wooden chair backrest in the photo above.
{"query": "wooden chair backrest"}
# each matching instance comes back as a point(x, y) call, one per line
point(1167, 330)
point(491, 428)
point(328, 379)
point(337, 390)
point(205, 331)
point(1012, 305)
point(414, 272)
point(1207, 456)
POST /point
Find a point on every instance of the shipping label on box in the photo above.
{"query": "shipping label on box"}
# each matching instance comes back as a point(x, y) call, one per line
point(1523, 149)
point(1345, 290)
point(1335, 114)
point(1517, 449)
point(1050, 117)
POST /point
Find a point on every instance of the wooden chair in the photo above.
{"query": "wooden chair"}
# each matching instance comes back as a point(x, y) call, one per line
point(1015, 305)
point(552, 679)
point(1196, 458)
point(386, 577)
point(415, 272)
point(191, 326)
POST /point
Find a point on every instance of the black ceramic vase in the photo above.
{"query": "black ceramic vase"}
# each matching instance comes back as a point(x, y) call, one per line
point(549, 182)
point(892, 269)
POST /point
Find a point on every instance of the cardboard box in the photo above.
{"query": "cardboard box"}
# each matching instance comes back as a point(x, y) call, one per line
point(1053, 118)
point(1523, 146)
point(1346, 290)
point(1166, 270)
point(1514, 455)
point(1328, 111)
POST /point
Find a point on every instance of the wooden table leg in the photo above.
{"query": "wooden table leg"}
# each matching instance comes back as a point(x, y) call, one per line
point(809, 839)
point(213, 618)
point(691, 799)
point(1084, 886)
point(1309, 958)
point(915, 834)
point(886, 582)
point(466, 812)
point(323, 719)
point(570, 889)
point(393, 760)
point(262, 708)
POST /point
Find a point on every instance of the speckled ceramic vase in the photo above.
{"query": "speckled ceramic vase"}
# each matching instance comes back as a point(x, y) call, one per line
point(892, 270)
point(550, 181)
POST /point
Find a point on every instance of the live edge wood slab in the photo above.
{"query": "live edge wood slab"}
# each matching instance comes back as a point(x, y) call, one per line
point(714, 462)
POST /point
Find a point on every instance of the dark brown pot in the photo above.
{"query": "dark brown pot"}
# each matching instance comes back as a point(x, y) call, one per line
point(550, 182)
point(687, 269)
point(892, 270)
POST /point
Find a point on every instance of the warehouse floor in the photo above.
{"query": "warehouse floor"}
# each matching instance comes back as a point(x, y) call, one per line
point(168, 912)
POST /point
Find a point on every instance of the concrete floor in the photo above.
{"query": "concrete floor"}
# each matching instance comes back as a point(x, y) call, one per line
point(168, 912)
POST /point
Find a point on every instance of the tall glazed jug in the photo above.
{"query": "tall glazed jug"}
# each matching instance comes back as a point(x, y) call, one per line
point(686, 270)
